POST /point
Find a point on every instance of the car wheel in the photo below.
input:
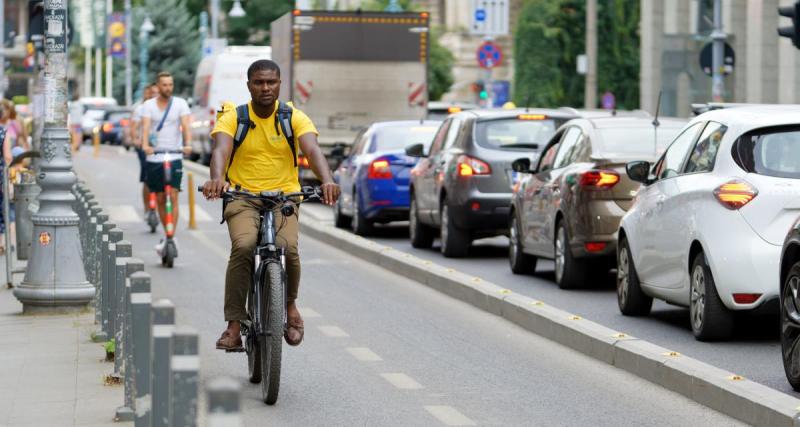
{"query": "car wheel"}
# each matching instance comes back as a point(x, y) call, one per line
point(570, 272)
point(359, 223)
point(710, 319)
point(790, 326)
point(340, 220)
point(421, 235)
point(520, 262)
point(631, 299)
point(455, 242)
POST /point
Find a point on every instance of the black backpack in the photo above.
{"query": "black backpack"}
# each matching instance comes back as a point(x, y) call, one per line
point(283, 125)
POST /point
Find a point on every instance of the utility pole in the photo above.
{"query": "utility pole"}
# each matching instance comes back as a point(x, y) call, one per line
point(109, 60)
point(128, 50)
point(590, 87)
point(717, 53)
point(98, 71)
point(214, 19)
point(54, 277)
point(3, 87)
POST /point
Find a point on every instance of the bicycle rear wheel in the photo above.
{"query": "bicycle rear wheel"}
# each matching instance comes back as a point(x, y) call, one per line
point(273, 319)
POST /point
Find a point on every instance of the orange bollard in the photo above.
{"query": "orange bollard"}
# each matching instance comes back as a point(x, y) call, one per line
point(192, 221)
point(96, 142)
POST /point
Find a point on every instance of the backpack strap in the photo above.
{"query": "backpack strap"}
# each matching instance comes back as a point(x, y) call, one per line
point(243, 125)
point(284, 120)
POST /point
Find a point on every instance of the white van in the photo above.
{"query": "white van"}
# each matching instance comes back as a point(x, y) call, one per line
point(221, 77)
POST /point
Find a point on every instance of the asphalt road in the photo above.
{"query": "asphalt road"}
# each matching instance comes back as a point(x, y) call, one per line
point(381, 349)
point(754, 352)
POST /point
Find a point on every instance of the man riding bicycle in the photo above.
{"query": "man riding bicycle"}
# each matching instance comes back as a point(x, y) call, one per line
point(164, 118)
point(263, 162)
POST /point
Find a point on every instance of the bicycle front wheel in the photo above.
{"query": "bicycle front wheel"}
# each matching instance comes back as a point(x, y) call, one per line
point(272, 320)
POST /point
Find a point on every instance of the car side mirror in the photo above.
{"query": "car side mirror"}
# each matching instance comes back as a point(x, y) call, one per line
point(522, 165)
point(639, 171)
point(415, 150)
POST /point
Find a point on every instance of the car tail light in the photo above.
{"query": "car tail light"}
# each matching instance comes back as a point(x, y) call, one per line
point(379, 169)
point(475, 206)
point(213, 118)
point(746, 298)
point(468, 166)
point(599, 179)
point(108, 127)
point(735, 194)
point(594, 246)
point(302, 161)
point(124, 122)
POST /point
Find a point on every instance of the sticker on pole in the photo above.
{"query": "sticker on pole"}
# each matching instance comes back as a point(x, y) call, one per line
point(489, 55)
point(44, 238)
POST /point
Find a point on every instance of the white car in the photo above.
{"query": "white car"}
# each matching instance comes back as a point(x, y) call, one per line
point(707, 227)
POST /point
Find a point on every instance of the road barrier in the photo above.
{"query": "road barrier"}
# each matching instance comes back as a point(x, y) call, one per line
point(156, 362)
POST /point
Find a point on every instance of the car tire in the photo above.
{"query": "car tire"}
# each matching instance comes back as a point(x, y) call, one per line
point(790, 326)
point(518, 260)
point(570, 272)
point(421, 235)
point(340, 220)
point(632, 301)
point(455, 242)
point(360, 225)
point(709, 317)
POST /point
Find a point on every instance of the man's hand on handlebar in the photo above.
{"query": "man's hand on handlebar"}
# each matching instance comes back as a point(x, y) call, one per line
point(187, 149)
point(148, 150)
point(214, 188)
point(330, 193)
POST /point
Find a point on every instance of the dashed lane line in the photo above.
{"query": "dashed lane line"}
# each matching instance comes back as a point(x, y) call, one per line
point(449, 416)
point(308, 312)
point(363, 354)
point(402, 381)
point(333, 331)
point(123, 214)
point(200, 214)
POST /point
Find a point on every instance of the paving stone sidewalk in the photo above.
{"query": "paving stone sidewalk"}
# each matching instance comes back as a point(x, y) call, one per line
point(51, 374)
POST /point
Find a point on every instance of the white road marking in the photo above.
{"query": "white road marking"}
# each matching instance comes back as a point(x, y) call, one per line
point(123, 213)
point(364, 354)
point(308, 312)
point(199, 213)
point(219, 250)
point(449, 416)
point(333, 331)
point(402, 381)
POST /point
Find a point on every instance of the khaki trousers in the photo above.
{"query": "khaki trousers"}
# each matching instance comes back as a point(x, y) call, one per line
point(242, 217)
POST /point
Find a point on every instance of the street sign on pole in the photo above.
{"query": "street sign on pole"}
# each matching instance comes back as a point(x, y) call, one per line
point(728, 59)
point(489, 17)
point(489, 55)
point(116, 35)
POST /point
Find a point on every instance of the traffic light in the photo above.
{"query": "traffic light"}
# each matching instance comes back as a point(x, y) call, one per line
point(35, 19)
point(480, 89)
point(793, 31)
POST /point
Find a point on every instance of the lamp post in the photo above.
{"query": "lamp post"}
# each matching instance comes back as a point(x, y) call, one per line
point(144, 38)
point(128, 50)
point(54, 277)
point(237, 11)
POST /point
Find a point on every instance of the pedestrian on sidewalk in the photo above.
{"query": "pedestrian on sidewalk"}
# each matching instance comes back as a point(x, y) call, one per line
point(6, 224)
point(150, 92)
point(14, 129)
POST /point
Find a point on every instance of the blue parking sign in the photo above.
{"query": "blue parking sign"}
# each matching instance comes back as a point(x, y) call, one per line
point(480, 15)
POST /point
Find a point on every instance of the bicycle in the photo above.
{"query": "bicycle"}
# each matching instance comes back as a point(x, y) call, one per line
point(266, 304)
point(170, 251)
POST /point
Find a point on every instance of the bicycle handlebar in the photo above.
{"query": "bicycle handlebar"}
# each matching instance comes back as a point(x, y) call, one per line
point(309, 193)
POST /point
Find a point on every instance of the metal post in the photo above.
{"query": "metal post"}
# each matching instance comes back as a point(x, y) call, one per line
point(54, 279)
point(123, 252)
point(109, 59)
point(88, 255)
point(163, 324)
point(717, 53)
point(590, 88)
point(125, 413)
point(128, 50)
point(7, 215)
point(101, 298)
point(184, 377)
point(214, 19)
point(102, 218)
point(3, 87)
point(144, 37)
point(203, 30)
point(24, 195)
point(224, 396)
point(140, 320)
point(98, 71)
point(87, 72)
point(108, 290)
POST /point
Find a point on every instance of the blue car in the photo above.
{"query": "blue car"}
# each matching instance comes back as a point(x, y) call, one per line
point(374, 176)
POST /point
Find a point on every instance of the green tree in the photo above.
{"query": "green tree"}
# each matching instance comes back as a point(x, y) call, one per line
point(251, 29)
point(440, 68)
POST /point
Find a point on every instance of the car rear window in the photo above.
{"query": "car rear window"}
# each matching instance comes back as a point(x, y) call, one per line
point(515, 133)
point(636, 142)
point(771, 151)
point(398, 137)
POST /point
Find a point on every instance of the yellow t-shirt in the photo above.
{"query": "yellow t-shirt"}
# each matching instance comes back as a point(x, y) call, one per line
point(264, 160)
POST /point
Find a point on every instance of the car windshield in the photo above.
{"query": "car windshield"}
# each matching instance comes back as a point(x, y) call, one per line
point(390, 138)
point(636, 141)
point(514, 133)
point(771, 152)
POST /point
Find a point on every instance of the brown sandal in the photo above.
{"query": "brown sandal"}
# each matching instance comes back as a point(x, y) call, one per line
point(294, 332)
point(229, 342)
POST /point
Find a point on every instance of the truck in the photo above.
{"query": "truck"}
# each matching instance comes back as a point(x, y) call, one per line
point(347, 70)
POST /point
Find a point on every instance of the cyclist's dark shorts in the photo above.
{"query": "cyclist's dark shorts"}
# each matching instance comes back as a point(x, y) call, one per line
point(142, 165)
point(154, 175)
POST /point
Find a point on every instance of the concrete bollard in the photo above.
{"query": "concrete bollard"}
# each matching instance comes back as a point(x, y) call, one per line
point(125, 413)
point(102, 253)
point(140, 321)
point(184, 377)
point(123, 252)
point(109, 263)
point(224, 400)
point(163, 324)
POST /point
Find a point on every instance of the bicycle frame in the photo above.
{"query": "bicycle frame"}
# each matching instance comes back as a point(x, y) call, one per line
point(266, 251)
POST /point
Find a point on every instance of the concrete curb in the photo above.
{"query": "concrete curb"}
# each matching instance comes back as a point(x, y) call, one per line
point(737, 397)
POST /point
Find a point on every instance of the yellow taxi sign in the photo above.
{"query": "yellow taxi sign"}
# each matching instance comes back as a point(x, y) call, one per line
point(531, 116)
point(453, 110)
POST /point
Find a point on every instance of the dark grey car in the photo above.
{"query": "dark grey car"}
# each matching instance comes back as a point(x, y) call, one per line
point(462, 186)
